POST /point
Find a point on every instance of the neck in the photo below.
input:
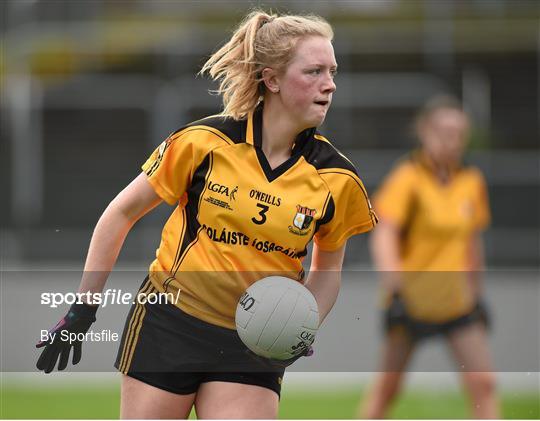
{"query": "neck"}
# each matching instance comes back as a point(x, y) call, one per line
point(443, 171)
point(279, 131)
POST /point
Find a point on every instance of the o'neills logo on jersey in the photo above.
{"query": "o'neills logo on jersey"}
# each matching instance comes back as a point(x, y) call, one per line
point(223, 190)
point(302, 220)
point(265, 197)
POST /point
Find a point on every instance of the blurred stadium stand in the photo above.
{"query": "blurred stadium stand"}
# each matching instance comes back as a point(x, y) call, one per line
point(89, 88)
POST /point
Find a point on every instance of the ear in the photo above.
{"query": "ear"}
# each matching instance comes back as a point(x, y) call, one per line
point(270, 79)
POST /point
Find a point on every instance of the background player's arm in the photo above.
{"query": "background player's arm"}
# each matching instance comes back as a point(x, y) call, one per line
point(476, 263)
point(384, 247)
point(324, 278)
point(137, 199)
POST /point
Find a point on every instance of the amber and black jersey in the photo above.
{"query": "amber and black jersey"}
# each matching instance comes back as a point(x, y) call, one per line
point(237, 219)
point(436, 222)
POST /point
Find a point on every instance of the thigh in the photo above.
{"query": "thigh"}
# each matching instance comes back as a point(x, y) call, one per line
point(397, 349)
point(469, 345)
point(226, 400)
point(143, 401)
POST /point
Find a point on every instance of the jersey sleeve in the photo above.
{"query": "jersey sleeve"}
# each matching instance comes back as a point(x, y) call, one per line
point(352, 211)
point(171, 166)
point(393, 199)
point(482, 213)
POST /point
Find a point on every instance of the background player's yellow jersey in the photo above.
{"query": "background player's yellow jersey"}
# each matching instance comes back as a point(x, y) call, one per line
point(436, 222)
point(239, 220)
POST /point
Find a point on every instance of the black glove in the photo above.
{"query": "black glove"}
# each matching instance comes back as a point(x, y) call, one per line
point(277, 365)
point(78, 320)
point(396, 313)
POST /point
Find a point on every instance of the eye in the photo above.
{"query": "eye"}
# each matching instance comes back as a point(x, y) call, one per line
point(314, 71)
point(333, 73)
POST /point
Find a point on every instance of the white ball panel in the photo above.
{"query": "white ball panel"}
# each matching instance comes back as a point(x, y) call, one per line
point(277, 317)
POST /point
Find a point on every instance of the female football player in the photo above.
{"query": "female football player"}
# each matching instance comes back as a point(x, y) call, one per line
point(429, 252)
point(251, 188)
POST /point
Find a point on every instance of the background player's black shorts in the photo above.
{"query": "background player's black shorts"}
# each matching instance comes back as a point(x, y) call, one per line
point(419, 330)
point(169, 349)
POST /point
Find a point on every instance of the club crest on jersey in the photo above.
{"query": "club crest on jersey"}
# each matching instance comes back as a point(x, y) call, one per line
point(467, 209)
point(302, 220)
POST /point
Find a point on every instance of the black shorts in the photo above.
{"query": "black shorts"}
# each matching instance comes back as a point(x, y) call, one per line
point(419, 330)
point(174, 351)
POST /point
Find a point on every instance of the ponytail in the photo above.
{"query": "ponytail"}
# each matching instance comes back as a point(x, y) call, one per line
point(261, 40)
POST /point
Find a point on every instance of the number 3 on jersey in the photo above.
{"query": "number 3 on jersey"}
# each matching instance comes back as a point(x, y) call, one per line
point(262, 214)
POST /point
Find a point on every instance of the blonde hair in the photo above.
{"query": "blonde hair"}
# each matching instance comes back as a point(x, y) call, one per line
point(261, 40)
point(437, 103)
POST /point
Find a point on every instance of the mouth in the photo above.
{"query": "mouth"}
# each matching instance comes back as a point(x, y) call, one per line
point(322, 103)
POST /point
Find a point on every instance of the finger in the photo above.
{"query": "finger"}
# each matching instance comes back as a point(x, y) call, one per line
point(77, 352)
point(64, 358)
point(43, 360)
point(53, 333)
point(53, 359)
point(41, 344)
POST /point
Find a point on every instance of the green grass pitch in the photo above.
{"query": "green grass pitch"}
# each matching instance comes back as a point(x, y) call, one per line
point(103, 402)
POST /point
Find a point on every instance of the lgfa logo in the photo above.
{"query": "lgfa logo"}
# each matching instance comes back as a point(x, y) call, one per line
point(223, 190)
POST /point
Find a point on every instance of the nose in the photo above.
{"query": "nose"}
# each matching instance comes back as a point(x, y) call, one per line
point(329, 86)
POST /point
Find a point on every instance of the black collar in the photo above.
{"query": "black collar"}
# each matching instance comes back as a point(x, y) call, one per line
point(254, 136)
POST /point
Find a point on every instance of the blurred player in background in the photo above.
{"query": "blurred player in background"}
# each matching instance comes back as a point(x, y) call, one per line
point(429, 252)
point(253, 187)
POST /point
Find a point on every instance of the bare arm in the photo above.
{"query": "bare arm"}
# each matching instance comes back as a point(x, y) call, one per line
point(386, 254)
point(476, 264)
point(137, 199)
point(324, 278)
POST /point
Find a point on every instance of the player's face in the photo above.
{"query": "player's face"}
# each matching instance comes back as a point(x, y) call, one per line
point(307, 84)
point(444, 136)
